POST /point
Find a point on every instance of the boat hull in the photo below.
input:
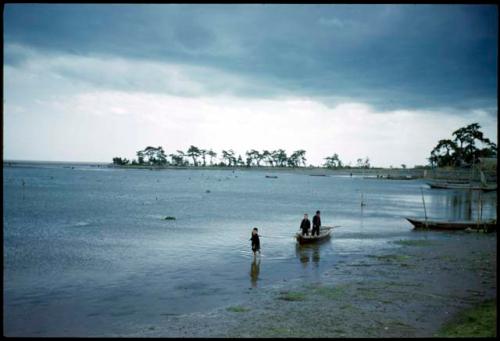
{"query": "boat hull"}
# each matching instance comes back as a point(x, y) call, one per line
point(489, 225)
point(324, 235)
point(462, 186)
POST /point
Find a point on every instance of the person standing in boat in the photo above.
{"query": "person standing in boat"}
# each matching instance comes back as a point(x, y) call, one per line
point(305, 225)
point(255, 241)
point(316, 223)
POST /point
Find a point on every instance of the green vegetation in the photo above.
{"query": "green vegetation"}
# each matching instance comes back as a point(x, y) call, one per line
point(151, 156)
point(277, 332)
point(349, 307)
point(333, 161)
point(238, 309)
point(367, 293)
point(479, 321)
point(331, 293)
point(467, 145)
point(120, 162)
point(462, 150)
point(292, 296)
point(196, 157)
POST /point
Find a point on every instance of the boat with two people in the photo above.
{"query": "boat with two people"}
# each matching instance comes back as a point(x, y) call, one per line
point(324, 234)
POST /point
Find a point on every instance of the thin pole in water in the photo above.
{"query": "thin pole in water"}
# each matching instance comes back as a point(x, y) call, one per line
point(479, 209)
point(425, 210)
point(480, 206)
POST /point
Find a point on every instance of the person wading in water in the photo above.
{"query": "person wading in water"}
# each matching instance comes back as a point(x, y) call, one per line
point(255, 241)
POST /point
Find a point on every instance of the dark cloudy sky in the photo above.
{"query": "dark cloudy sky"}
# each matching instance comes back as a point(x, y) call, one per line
point(89, 82)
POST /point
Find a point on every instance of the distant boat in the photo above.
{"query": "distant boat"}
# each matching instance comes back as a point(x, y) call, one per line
point(317, 174)
point(392, 177)
point(324, 234)
point(271, 176)
point(399, 177)
point(457, 181)
point(447, 185)
point(488, 225)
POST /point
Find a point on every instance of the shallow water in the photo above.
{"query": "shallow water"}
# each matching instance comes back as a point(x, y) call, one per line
point(87, 251)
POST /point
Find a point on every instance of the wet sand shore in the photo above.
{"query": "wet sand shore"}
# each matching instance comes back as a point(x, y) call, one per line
point(408, 291)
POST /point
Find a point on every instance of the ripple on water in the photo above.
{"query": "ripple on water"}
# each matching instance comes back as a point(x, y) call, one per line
point(137, 265)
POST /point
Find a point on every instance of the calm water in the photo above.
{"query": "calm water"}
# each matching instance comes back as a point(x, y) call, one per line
point(87, 252)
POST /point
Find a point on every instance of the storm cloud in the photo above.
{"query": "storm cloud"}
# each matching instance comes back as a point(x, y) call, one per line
point(390, 56)
point(89, 82)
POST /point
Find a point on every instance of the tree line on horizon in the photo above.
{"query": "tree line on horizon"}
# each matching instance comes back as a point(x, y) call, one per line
point(194, 156)
point(462, 150)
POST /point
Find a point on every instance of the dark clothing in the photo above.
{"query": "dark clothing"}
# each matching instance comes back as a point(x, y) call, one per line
point(316, 221)
point(255, 242)
point(316, 225)
point(305, 225)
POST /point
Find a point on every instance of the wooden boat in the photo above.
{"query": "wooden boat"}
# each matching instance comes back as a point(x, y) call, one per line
point(457, 181)
point(392, 177)
point(488, 225)
point(399, 177)
point(324, 234)
point(446, 185)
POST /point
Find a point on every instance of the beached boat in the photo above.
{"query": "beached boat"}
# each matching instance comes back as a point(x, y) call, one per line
point(446, 185)
point(324, 234)
point(488, 225)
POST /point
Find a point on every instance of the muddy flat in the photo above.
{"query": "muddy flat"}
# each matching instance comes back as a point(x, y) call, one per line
point(410, 291)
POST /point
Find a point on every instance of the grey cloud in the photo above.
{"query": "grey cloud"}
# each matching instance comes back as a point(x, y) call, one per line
point(391, 56)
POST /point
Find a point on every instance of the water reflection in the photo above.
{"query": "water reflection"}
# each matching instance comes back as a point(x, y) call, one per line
point(307, 253)
point(464, 205)
point(254, 271)
point(460, 204)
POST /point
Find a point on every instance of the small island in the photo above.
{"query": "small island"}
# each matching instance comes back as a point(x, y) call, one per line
point(451, 159)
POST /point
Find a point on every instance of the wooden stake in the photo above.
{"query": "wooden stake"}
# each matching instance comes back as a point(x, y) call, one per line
point(423, 201)
point(478, 209)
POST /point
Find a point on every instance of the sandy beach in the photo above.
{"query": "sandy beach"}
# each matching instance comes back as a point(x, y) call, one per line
point(413, 292)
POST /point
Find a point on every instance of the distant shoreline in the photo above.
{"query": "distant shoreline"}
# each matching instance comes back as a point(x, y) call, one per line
point(370, 173)
point(111, 165)
point(307, 170)
point(38, 162)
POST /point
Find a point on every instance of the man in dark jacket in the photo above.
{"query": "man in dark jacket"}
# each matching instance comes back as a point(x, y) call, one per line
point(316, 223)
point(305, 225)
